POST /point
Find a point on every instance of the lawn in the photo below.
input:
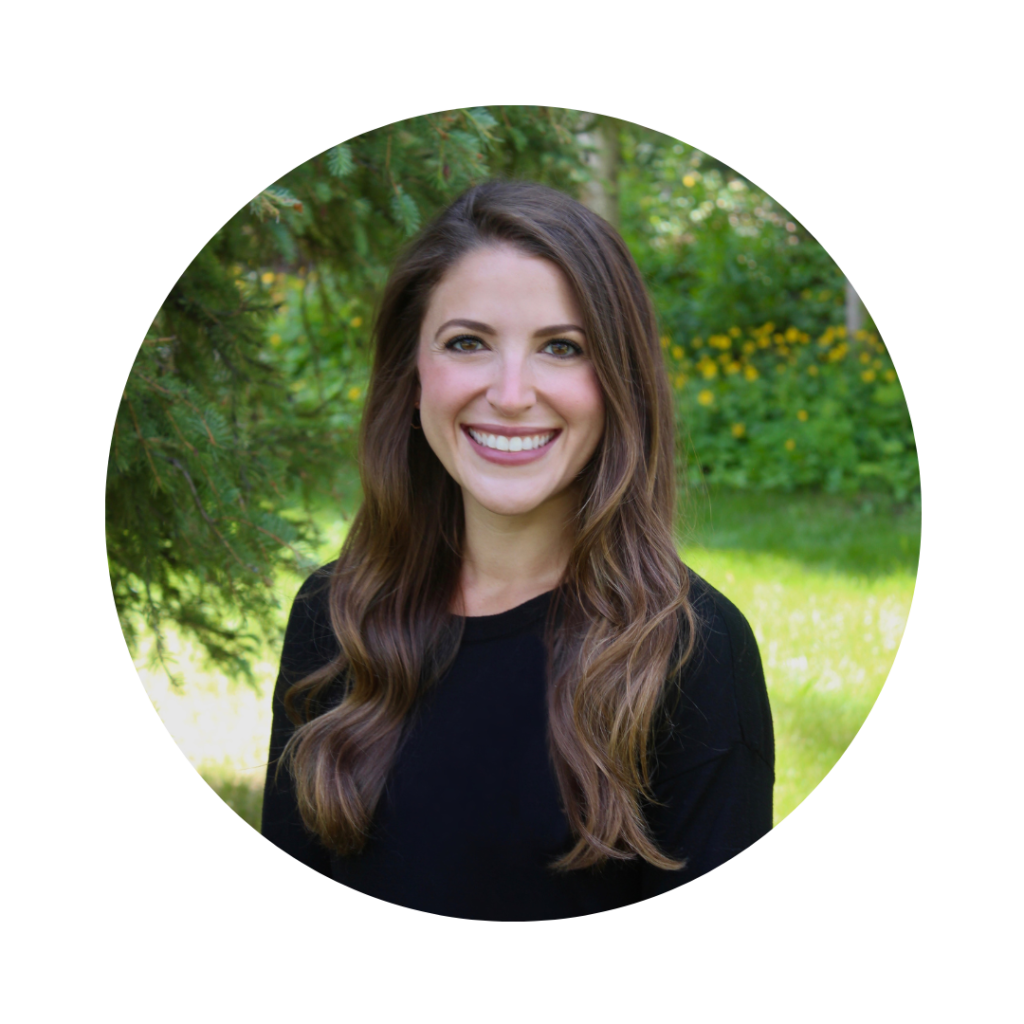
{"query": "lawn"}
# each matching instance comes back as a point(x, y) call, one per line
point(825, 582)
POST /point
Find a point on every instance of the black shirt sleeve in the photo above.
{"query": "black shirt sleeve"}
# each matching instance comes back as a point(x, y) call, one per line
point(715, 760)
point(309, 644)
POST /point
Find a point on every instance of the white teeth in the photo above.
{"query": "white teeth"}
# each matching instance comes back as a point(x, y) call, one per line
point(511, 444)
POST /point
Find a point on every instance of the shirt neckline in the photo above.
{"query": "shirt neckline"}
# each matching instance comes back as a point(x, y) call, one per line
point(479, 628)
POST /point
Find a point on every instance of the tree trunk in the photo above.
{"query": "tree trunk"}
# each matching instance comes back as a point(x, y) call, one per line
point(601, 193)
point(854, 312)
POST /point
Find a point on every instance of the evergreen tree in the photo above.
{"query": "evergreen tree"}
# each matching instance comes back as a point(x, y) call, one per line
point(225, 425)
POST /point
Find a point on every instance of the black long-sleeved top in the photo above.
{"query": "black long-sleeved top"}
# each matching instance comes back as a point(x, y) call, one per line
point(471, 818)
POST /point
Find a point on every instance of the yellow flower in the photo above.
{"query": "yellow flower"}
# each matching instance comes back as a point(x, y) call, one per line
point(749, 348)
point(802, 415)
point(353, 394)
point(840, 331)
point(267, 277)
point(734, 332)
point(706, 397)
point(708, 368)
point(813, 370)
point(665, 341)
point(275, 340)
point(889, 375)
point(738, 430)
point(764, 342)
point(356, 321)
point(790, 445)
point(861, 335)
point(778, 339)
point(865, 357)
point(792, 334)
point(719, 341)
point(733, 367)
point(679, 380)
point(750, 372)
point(868, 376)
point(677, 352)
point(689, 180)
point(827, 338)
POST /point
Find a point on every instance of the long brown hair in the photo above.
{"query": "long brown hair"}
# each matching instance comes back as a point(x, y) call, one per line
point(620, 622)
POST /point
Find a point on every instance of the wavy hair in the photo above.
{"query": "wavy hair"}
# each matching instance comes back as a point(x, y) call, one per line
point(620, 623)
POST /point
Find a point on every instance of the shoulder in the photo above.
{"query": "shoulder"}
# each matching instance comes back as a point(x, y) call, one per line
point(309, 641)
point(316, 588)
point(724, 642)
point(719, 698)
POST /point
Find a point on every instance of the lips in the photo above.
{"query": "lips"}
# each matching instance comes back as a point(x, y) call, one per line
point(510, 458)
point(497, 430)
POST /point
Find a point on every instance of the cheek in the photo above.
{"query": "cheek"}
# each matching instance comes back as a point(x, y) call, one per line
point(434, 383)
point(585, 403)
point(444, 388)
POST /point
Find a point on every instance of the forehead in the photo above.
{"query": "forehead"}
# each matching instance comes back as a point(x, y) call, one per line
point(503, 283)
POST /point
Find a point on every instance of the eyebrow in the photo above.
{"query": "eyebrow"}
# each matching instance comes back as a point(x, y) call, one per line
point(476, 325)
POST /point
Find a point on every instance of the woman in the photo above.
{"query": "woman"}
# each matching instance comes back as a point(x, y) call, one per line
point(508, 699)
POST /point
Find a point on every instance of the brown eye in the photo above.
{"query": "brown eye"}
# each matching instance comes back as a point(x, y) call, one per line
point(464, 343)
point(562, 348)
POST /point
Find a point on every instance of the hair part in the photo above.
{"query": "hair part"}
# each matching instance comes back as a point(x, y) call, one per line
point(620, 623)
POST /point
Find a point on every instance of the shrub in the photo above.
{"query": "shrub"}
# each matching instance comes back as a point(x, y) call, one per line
point(772, 408)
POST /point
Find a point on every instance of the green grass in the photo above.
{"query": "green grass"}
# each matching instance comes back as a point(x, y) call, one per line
point(825, 583)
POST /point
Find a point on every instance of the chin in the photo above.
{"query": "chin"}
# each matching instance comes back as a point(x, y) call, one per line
point(510, 504)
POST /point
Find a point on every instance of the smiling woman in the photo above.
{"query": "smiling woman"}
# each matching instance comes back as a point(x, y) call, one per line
point(514, 412)
point(507, 698)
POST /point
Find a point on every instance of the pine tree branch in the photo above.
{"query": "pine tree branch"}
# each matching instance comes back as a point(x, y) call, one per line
point(145, 447)
point(202, 511)
point(180, 398)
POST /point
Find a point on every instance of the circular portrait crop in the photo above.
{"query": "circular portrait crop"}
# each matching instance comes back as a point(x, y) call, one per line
point(513, 513)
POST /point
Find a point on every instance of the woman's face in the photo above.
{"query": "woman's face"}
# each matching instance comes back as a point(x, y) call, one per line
point(509, 399)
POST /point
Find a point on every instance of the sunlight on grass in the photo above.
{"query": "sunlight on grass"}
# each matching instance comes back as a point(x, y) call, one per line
point(827, 642)
point(223, 725)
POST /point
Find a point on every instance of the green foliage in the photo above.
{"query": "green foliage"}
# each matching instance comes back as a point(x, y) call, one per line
point(339, 161)
point(714, 248)
point(241, 410)
point(776, 410)
point(192, 531)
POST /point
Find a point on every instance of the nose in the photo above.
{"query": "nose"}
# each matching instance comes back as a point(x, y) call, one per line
point(511, 392)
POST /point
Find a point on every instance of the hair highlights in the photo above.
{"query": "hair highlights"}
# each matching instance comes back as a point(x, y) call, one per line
point(620, 622)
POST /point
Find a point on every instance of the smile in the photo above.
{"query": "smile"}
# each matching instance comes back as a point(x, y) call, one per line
point(507, 448)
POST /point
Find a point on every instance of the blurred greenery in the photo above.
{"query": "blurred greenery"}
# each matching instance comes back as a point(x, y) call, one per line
point(234, 441)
